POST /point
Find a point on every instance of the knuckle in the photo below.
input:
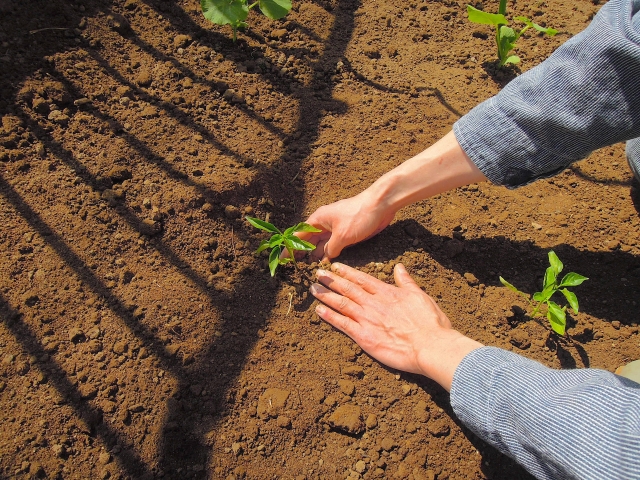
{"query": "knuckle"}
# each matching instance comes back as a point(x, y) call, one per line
point(343, 303)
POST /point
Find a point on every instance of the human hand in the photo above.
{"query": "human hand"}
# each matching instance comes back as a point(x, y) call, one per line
point(345, 223)
point(401, 326)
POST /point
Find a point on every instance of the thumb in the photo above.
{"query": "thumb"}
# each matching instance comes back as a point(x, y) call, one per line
point(332, 248)
point(403, 279)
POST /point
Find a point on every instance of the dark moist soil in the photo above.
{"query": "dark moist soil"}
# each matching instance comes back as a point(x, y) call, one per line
point(141, 337)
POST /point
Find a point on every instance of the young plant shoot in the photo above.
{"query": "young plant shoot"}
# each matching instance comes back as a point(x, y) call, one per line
point(506, 37)
point(235, 12)
point(281, 240)
point(556, 315)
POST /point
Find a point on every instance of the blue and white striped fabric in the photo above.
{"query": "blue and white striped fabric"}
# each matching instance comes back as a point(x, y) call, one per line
point(558, 424)
point(583, 97)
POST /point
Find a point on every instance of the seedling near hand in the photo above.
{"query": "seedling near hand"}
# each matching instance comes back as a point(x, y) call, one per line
point(556, 315)
point(506, 37)
point(235, 12)
point(281, 240)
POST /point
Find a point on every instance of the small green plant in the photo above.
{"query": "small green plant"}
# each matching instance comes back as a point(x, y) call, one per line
point(281, 240)
point(506, 37)
point(235, 12)
point(556, 315)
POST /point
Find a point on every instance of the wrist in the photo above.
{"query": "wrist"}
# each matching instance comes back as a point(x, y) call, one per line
point(440, 358)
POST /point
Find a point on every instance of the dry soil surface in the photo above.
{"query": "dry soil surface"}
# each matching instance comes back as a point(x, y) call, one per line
point(142, 338)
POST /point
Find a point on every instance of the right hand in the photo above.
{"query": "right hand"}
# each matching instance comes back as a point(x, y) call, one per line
point(345, 223)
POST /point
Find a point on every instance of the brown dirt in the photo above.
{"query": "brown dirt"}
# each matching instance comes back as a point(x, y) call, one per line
point(140, 336)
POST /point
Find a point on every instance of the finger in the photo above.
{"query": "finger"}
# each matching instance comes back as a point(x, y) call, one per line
point(368, 283)
point(341, 285)
point(339, 303)
point(333, 248)
point(403, 279)
point(341, 322)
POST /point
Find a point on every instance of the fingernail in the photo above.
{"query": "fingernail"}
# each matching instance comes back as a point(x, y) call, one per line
point(320, 309)
point(321, 272)
point(314, 288)
point(336, 266)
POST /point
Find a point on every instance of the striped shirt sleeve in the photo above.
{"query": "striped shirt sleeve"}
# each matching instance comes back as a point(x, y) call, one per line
point(558, 424)
point(586, 95)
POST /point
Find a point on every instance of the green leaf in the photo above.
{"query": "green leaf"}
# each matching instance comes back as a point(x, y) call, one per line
point(572, 280)
point(478, 16)
point(274, 260)
point(544, 295)
point(549, 31)
point(225, 12)
point(557, 318)
point(511, 287)
point(274, 9)
point(512, 59)
point(264, 244)
point(571, 298)
point(297, 244)
point(555, 262)
point(549, 278)
point(275, 240)
point(524, 20)
point(262, 225)
point(305, 227)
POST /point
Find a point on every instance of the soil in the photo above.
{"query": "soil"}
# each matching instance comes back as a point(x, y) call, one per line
point(142, 338)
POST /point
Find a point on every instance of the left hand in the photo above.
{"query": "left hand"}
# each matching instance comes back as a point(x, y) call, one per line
point(401, 326)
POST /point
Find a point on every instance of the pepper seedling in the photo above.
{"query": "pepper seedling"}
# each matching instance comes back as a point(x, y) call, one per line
point(506, 37)
point(280, 241)
point(556, 315)
point(235, 12)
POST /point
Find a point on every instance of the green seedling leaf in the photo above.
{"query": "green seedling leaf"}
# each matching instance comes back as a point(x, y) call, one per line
point(305, 227)
point(506, 37)
point(544, 295)
point(571, 298)
point(572, 280)
point(264, 244)
point(275, 240)
point(512, 59)
point(275, 9)
point(279, 241)
point(555, 262)
point(478, 16)
point(225, 12)
point(549, 278)
point(548, 30)
point(511, 287)
point(297, 244)
point(557, 317)
point(274, 260)
point(262, 225)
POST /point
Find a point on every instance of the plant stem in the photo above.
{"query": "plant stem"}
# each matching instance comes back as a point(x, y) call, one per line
point(502, 8)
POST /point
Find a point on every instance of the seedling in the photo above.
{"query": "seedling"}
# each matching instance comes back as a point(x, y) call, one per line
point(235, 12)
point(556, 315)
point(506, 37)
point(280, 241)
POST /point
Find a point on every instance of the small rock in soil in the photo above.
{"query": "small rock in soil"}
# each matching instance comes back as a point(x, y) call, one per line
point(388, 444)
point(347, 418)
point(181, 41)
point(283, 421)
point(439, 427)
point(372, 421)
point(150, 227)
point(347, 387)
point(471, 279)
point(520, 339)
point(120, 347)
point(353, 371)
point(231, 211)
point(119, 174)
point(76, 335)
point(149, 112)
point(272, 402)
point(237, 448)
point(104, 458)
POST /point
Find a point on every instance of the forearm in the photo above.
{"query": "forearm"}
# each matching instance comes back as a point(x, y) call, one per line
point(439, 168)
point(581, 423)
